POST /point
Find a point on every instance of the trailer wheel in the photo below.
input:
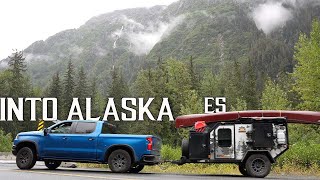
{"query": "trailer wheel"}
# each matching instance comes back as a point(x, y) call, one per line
point(119, 161)
point(26, 158)
point(243, 170)
point(258, 165)
point(185, 147)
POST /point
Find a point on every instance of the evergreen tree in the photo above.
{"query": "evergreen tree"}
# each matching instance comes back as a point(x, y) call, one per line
point(233, 79)
point(96, 99)
point(250, 92)
point(17, 67)
point(118, 90)
point(193, 75)
point(5, 78)
point(55, 91)
point(55, 86)
point(68, 89)
point(82, 90)
point(210, 85)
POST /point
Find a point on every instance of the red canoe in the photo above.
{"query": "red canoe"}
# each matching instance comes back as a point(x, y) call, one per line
point(302, 117)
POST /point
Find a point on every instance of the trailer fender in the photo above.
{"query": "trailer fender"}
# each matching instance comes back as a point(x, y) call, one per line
point(250, 152)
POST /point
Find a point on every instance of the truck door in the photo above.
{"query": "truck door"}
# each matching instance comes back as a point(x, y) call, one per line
point(56, 140)
point(82, 142)
point(224, 142)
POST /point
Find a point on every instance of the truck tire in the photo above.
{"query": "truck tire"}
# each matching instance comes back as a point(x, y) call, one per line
point(136, 169)
point(243, 170)
point(52, 164)
point(26, 158)
point(185, 147)
point(258, 165)
point(119, 161)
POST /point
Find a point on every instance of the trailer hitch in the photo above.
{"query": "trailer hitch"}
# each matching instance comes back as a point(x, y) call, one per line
point(178, 162)
point(182, 161)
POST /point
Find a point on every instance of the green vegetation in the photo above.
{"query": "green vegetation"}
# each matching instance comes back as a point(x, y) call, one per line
point(5, 142)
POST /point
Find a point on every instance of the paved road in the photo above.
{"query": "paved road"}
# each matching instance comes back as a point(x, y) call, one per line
point(9, 171)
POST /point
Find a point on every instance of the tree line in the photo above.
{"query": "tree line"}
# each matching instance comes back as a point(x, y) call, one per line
point(240, 81)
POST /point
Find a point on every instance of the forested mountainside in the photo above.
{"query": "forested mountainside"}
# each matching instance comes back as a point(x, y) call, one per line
point(213, 32)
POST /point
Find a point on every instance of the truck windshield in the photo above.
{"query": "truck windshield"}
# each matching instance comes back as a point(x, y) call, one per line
point(108, 129)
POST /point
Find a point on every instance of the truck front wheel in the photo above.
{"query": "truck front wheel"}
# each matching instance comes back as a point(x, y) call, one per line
point(26, 158)
point(52, 164)
point(119, 161)
point(258, 165)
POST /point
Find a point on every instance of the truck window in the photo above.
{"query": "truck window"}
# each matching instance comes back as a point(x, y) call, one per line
point(85, 128)
point(108, 129)
point(224, 137)
point(63, 128)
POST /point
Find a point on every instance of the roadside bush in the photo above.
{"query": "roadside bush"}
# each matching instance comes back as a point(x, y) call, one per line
point(170, 153)
point(301, 154)
point(5, 142)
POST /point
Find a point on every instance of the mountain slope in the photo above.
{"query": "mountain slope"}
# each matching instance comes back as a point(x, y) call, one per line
point(212, 31)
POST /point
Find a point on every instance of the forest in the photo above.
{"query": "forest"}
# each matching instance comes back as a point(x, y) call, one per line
point(182, 85)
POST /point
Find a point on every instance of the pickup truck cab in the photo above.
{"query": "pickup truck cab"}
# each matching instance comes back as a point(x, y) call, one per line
point(86, 141)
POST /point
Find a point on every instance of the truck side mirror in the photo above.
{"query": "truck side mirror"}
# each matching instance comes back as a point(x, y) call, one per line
point(45, 131)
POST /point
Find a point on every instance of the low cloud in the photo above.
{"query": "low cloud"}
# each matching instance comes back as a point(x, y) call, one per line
point(143, 41)
point(270, 16)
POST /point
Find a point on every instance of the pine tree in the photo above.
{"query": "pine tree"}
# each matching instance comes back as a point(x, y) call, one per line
point(118, 90)
point(193, 75)
point(233, 85)
point(68, 89)
point(96, 100)
point(82, 89)
point(17, 67)
point(55, 90)
point(55, 87)
point(209, 85)
point(250, 92)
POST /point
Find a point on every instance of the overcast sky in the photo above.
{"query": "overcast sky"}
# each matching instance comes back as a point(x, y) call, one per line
point(24, 21)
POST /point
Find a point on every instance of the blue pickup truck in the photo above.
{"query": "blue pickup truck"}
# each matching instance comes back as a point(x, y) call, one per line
point(86, 141)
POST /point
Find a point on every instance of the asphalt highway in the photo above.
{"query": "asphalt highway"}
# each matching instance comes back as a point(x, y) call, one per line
point(9, 171)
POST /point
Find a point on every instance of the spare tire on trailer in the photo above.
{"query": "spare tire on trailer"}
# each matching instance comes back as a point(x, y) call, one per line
point(185, 147)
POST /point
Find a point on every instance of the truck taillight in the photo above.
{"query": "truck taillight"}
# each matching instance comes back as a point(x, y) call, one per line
point(149, 146)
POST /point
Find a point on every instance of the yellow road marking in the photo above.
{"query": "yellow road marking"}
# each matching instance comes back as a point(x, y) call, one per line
point(74, 175)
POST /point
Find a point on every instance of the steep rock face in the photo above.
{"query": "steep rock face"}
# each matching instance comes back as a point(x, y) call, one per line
point(214, 32)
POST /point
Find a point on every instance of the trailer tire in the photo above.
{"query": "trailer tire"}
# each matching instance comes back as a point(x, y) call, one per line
point(185, 147)
point(258, 165)
point(243, 170)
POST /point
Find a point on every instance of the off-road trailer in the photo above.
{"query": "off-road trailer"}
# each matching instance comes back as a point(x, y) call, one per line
point(251, 139)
